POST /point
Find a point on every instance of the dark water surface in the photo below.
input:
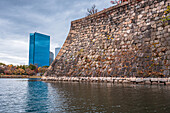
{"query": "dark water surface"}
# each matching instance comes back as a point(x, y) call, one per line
point(21, 95)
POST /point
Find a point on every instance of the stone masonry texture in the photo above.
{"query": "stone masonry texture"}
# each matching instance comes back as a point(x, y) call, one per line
point(124, 40)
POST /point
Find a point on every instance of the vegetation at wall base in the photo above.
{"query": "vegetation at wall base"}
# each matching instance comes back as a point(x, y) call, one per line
point(21, 69)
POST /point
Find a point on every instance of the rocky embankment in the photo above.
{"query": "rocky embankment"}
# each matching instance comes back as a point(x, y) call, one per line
point(132, 80)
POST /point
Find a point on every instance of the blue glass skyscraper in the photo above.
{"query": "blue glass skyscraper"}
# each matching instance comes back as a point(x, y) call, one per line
point(57, 51)
point(51, 57)
point(39, 49)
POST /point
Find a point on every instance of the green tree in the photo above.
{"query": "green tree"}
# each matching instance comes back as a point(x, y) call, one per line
point(2, 64)
point(1, 70)
point(45, 66)
point(32, 67)
point(24, 67)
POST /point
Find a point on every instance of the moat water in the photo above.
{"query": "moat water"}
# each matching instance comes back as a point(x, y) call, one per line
point(21, 95)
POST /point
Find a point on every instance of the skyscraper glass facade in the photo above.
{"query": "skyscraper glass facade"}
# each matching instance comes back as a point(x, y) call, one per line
point(51, 57)
point(39, 49)
point(57, 51)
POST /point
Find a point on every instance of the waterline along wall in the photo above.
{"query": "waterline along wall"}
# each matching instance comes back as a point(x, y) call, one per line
point(124, 40)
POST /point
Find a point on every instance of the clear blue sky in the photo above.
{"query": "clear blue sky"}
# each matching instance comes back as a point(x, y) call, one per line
point(18, 18)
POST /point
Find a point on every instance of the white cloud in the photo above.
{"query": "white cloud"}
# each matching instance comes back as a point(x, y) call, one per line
point(8, 58)
point(13, 51)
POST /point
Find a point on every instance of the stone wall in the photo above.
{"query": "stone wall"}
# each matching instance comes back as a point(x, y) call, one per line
point(124, 40)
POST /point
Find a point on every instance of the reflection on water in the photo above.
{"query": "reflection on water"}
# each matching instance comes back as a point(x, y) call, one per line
point(36, 96)
point(18, 95)
point(96, 97)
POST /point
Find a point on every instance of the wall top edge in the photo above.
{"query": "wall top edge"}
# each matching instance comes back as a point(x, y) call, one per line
point(101, 12)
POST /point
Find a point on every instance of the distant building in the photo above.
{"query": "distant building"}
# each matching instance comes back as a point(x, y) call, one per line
point(39, 47)
point(51, 57)
point(57, 51)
